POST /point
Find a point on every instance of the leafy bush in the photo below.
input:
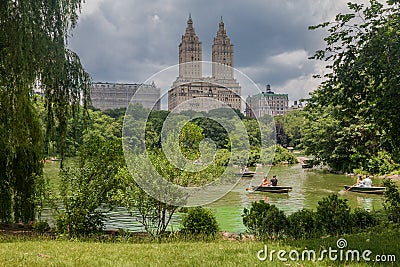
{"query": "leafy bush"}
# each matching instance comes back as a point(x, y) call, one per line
point(267, 155)
point(362, 219)
point(392, 201)
point(283, 155)
point(200, 221)
point(222, 157)
point(254, 157)
point(86, 188)
point(264, 220)
point(381, 164)
point(40, 226)
point(78, 222)
point(333, 215)
point(303, 224)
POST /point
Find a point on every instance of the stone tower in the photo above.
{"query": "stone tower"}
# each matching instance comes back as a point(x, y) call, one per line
point(190, 52)
point(222, 53)
point(193, 91)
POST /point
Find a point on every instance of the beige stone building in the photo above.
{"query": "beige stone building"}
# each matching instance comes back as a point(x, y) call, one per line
point(205, 93)
point(267, 103)
point(118, 95)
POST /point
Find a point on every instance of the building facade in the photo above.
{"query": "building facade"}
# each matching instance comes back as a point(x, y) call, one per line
point(204, 93)
point(267, 103)
point(118, 95)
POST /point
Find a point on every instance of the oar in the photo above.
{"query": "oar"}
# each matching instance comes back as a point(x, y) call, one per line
point(250, 187)
point(351, 187)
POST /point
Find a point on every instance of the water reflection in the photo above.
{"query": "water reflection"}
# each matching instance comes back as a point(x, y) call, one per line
point(365, 203)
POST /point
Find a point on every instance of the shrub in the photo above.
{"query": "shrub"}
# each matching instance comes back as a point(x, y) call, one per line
point(303, 224)
point(77, 223)
point(381, 164)
point(362, 219)
point(200, 221)
point(283, 155)
point(254, 157)
point(392, 201)
point(222, 157)
point(264, 220)
point(333, 215)
point(87, 187)
point(40, 227)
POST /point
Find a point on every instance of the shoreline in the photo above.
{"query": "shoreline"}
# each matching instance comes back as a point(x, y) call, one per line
point(26, 230)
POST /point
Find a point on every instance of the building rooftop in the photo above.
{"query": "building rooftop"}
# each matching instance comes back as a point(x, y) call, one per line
point(268, 92)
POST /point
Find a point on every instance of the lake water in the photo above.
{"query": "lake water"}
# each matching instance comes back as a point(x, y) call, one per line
point(309, 187)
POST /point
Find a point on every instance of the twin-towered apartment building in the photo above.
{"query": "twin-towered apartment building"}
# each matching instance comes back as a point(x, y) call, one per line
point(191, 90)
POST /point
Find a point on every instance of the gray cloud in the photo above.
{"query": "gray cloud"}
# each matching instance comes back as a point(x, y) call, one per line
point(128, 41)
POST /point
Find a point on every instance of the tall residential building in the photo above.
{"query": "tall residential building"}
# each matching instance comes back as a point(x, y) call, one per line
point(190, 52)
point(197, 92)
point(267, 103)
point(118, 95)
point(222, 53)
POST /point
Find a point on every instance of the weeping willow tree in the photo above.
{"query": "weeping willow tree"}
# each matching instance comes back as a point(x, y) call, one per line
point(33, 50)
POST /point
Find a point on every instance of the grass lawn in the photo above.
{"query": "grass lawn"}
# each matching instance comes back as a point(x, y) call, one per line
point(41, 251)
point(44, 252)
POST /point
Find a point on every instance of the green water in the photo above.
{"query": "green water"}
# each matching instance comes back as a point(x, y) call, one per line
point(309, 187)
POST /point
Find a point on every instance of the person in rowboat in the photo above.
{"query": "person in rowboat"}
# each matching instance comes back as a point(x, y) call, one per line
point(265, 182)
point(359, 181)
point(367, 182)
point(274, 181)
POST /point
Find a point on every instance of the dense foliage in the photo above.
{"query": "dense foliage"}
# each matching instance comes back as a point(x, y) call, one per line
point(282, 155)
point(353, 118)
point(392, 201)
point(87, 188)
point(332, 217)
point(289, 128)
point(303, 224)
point(200, 221)
point(264, 220)
point(33, 36)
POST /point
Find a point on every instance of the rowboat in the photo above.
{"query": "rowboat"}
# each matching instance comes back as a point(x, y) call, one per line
point(306, 166)
point(273, 189)
point(246, 174)
point(307, 163)
point(366, 190)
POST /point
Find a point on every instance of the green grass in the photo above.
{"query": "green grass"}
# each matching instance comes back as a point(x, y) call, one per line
point(31, 251)
point(39, 251)
point(64, 253)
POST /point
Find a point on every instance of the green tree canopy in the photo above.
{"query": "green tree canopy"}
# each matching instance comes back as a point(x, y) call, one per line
point(354, 114)
point(33, 38)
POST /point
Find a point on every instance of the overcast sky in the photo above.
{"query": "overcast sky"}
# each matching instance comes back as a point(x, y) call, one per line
point(128, 41)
